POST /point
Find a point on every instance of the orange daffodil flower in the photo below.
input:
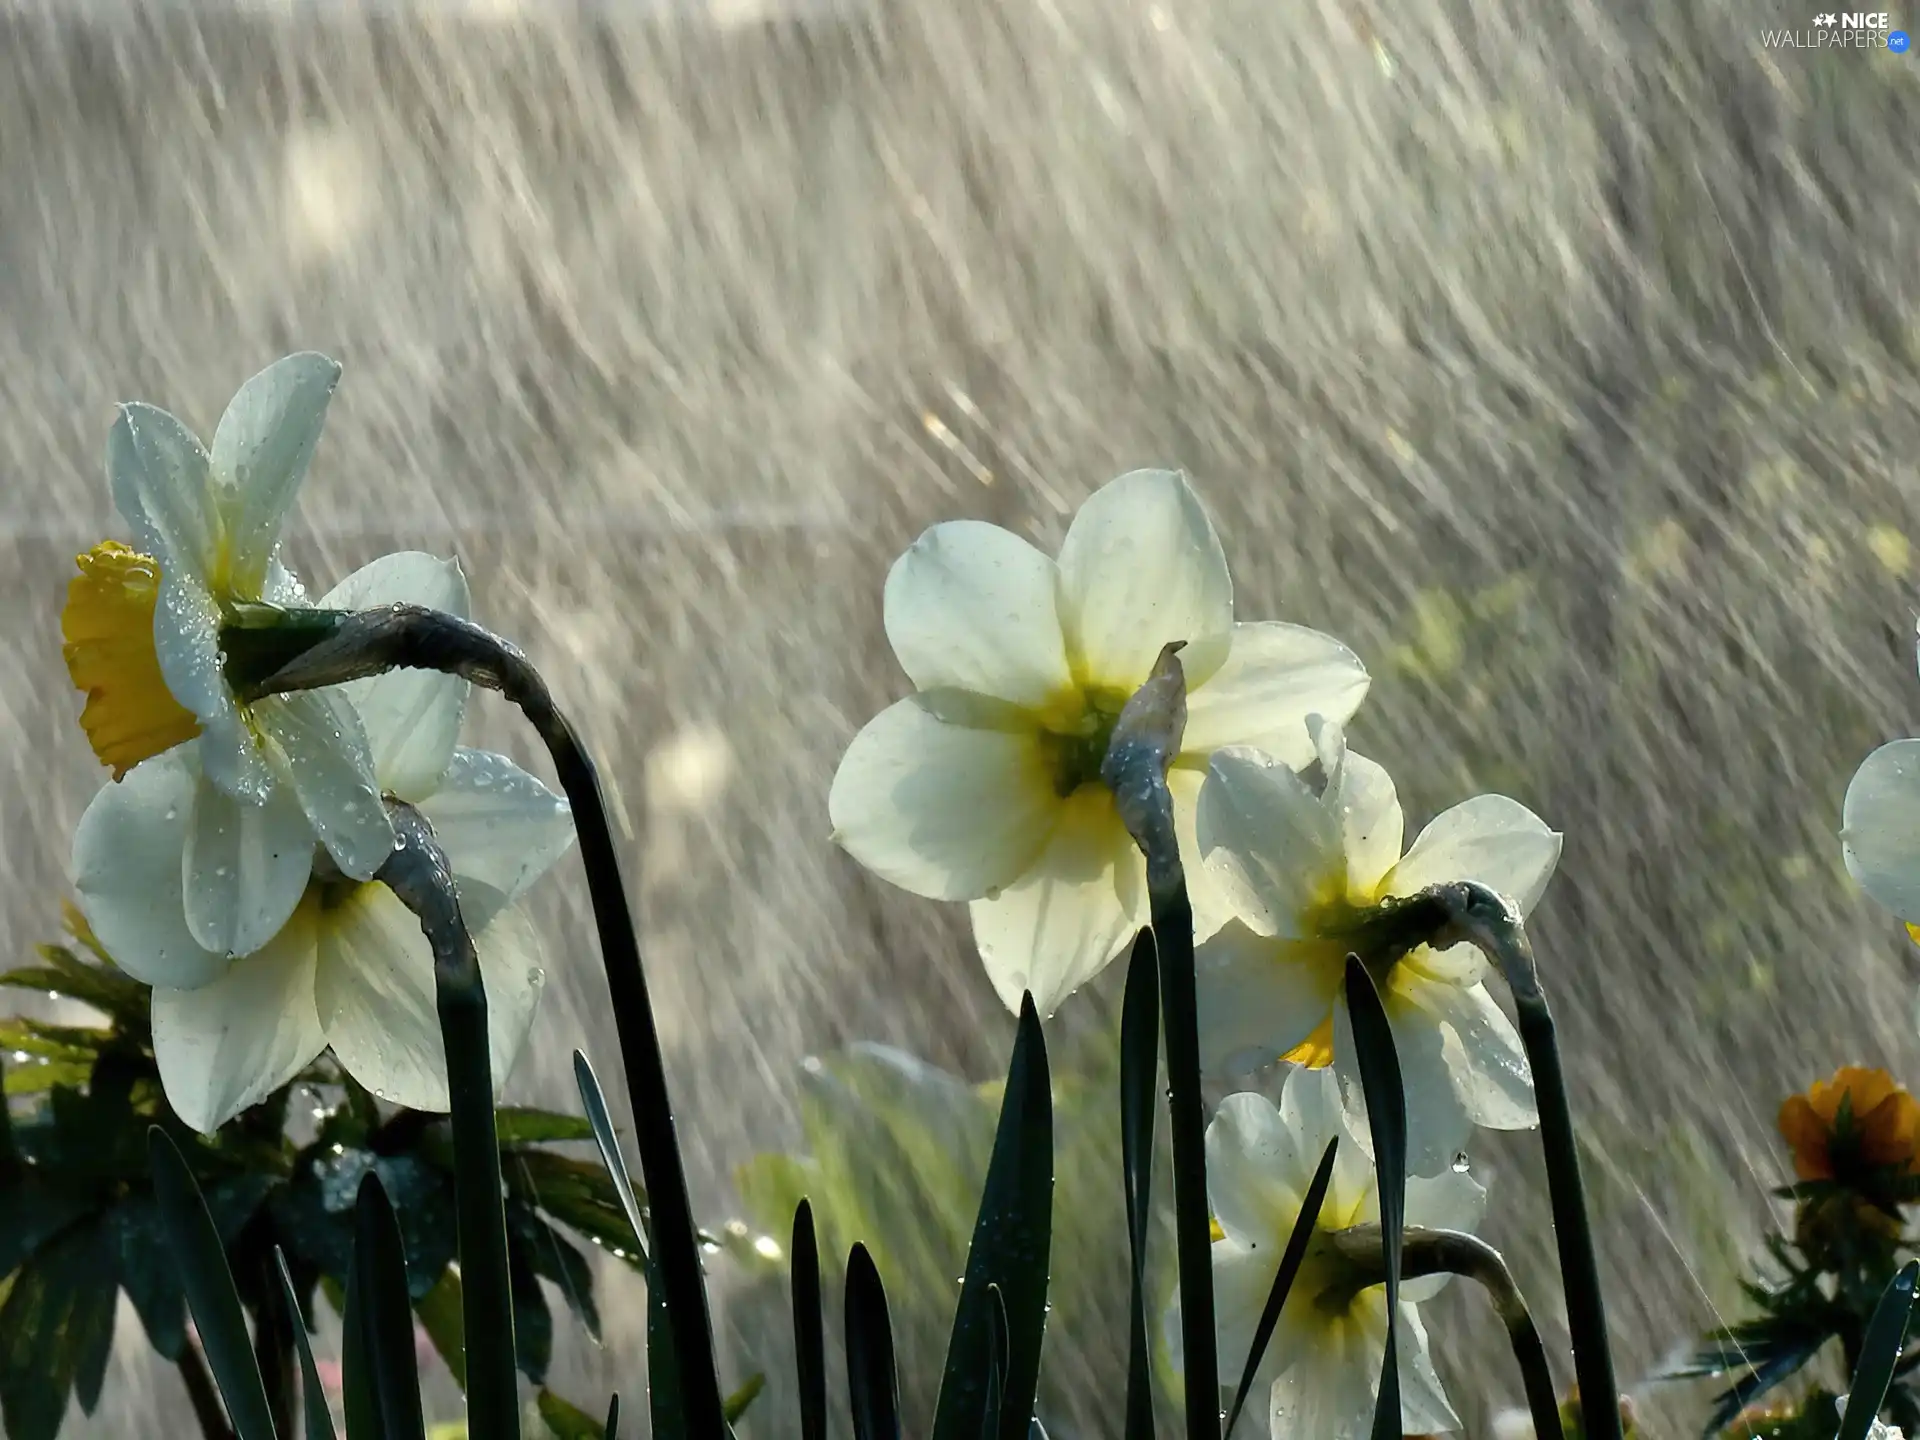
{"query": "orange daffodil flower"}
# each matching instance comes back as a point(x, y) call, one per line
point(985, 786)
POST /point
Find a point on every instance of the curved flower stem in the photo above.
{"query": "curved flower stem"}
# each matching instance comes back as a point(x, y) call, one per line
point(1437, 1252)
point(1482, 918)
point(417, 873)
point(1145, 740)
point(413, 637)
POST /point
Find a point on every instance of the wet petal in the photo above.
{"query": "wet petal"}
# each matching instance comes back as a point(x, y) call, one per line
point(157, 473)
point(1329, 1391)
point(1424, 1407)
point(1491, 839)
point(1259, 998)
point(1438, 1126)
point(1141, 567)
point(260, 456)
point(412, 717)
point(498, 824)
point(1257, 1170)
point(1275, 676)
point(244, 867)
point(232, 1043)
point(1368, 810)
point(126, 868)
point(1272, 847)
point(186, 641)
point(972, 607)
point(1485, 1056)
point(377, 1001)
point(1078, 905)
point(1880, 827)
point(1451, 1200)
point(1212, 900)
point(946, 811)
point(330, 769)
point(1242, 1280)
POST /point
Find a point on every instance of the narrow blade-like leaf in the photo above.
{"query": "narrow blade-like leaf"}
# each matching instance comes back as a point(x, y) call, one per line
point(1387, 1120)
point(1879, 1352)
point(737, 1404)
point(1290, 1261)
point(595, 1101)
point(873, 1383)
point(613, 1417)
point(313, 1400)
point(386, 1337)
point(809, 1338)
point(212, 1299)
point(1012, 1241)
point(1139, 1113)
point(666, 1405)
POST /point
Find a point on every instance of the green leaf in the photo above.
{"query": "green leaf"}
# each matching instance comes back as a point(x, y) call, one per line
point(37, 1076)
point(148, 1273)
point(61, 972)
point(519, 1126)
point(313, 1398)
point(612, 1161)
point(1879, 1352)
point(1139, 1112)
point(386, 1336)
point(1283, 1278)
point(56, 1332)
point(34, 1209)
point(73, 1044)
point(567, 1421)
point(1012, 1243)
point(439, 1314)
point(809, 1339)
point(736, 1404)
point(211, 1296)
point(553, 1258)
point(532, 1319)
point(613, 1417)
point(665, 1404)
point(577, 1193)
point(1387, 1120)
point(873, 1382)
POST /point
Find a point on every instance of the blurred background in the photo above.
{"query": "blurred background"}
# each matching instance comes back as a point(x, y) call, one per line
point(1564, 360)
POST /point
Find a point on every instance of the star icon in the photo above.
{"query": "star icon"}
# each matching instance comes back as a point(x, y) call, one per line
point(1824, 20)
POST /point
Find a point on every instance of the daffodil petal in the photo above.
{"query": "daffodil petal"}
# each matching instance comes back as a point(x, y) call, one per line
point(378, 1005)
point(1275, 676)
point(1141, 567)
point(973, 607)
point(412, 717)
point(232, 1043)
point(330, 769)
point(186, 641)
point(1496, 841)
point(1259, 998)
point(126, 865)
point(498, 824)
point(1257, 1170)
point(1242, 1280)
point(1424, 1407)
point(244, 867)
point(1371, 824)
point(1077, 907)
point(1451, 1200)
point(260, 455)
point(1272, 847)
point(1313, 1108)
point(1487, 1061)
point(1212, 901)
point(946, 811)
point(1438, 1126)
point(1880, 827)
point(1329, 1392)
point(157, 474)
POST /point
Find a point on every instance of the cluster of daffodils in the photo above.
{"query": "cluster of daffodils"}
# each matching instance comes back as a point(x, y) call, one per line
point(230, 863)
point(985, 787)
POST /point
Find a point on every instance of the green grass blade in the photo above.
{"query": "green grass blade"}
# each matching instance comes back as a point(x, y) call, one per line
point(741, 1400)
point(1387, 1119)
point(1012, 1243)
point(1139, 1112)
point(595, 1101)
point(212, 1299)
point(1290, 1261)
point(873, 1383)
point(313, 1400)
point(613, 1418)
point(996, 1364)
point(1879, 1352)
point(809, 1336)
point(386, 1337)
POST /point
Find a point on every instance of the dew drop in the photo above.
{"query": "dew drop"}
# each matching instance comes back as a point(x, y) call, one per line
point(20, 1057)
point(173, 812)
point(1460, 1163)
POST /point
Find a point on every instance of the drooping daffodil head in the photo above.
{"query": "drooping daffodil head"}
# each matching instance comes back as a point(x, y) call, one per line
point(143, 630)
point(1306, 861)
point(346, 966)
point(1320, 1374)
point(985, 785)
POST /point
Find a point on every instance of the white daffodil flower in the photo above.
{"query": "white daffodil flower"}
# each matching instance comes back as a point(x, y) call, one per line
point(143, 640)
point(1880, 828)
point(985, 786)
point(350, 967)
point(1320, 1374)
point(1301, 867)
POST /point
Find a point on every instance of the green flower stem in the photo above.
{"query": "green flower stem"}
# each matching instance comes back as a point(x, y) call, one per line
point(201, 1393)
point(412, 637)
point(1482, 918)
point(417, 873)
point(1450, 1252)
point(1145, 740)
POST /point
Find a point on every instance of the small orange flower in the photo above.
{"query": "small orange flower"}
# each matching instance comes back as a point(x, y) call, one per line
point(1881, 1129)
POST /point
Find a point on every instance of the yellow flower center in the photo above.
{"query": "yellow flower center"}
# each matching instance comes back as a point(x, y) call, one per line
point(1075, 731)
point(130, 714)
